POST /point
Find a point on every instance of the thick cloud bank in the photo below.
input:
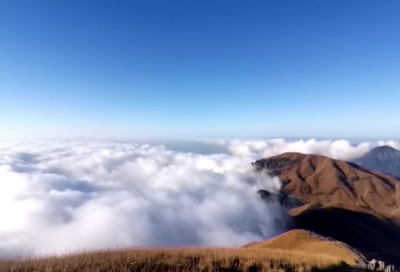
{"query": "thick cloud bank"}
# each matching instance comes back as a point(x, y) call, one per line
point(61, 196)
point(340, 149)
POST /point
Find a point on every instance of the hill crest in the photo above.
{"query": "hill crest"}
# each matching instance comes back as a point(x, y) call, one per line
point(299, 240)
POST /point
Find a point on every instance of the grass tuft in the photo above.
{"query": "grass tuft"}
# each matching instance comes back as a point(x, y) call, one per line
point(177, 260)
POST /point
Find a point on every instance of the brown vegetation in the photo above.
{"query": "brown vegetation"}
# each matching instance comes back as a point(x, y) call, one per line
point(322, 180)
point(182, 260)
point(305, 242)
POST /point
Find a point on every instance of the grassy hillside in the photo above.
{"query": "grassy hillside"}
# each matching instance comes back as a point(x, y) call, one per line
point(305, 242)
point(232, 260)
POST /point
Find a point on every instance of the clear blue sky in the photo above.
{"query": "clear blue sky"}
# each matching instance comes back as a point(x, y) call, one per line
point(199, 68)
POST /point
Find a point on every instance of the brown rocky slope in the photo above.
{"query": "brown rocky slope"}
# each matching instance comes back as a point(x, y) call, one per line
point(342, 201)
point(322, 180)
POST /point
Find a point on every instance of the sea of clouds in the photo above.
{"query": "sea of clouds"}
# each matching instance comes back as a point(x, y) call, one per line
point(62, 196)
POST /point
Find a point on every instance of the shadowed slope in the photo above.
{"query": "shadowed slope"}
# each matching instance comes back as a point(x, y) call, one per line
point(374, 235)
point(303, 208)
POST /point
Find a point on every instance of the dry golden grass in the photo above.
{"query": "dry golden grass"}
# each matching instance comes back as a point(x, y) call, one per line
point(293, 240)
point(303, 241)
point(179, 260)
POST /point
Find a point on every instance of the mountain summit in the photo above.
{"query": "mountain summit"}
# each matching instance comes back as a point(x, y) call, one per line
point(385, 159)
point(319, 179)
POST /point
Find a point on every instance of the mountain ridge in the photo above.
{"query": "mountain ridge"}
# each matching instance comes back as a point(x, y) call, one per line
point(322, 180)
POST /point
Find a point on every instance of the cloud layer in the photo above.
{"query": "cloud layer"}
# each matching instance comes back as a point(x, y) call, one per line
point(61, 196)
point(56, 197)
point(339, 149)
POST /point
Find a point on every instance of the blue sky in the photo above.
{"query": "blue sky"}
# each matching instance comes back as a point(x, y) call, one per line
point(199, 68)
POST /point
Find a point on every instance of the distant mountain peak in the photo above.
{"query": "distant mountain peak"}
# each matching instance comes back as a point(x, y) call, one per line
point(385, 148)
point(382, 158)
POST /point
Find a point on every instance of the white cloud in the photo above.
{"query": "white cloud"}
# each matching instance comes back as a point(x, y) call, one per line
point(61, 196)
point(339, 149)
